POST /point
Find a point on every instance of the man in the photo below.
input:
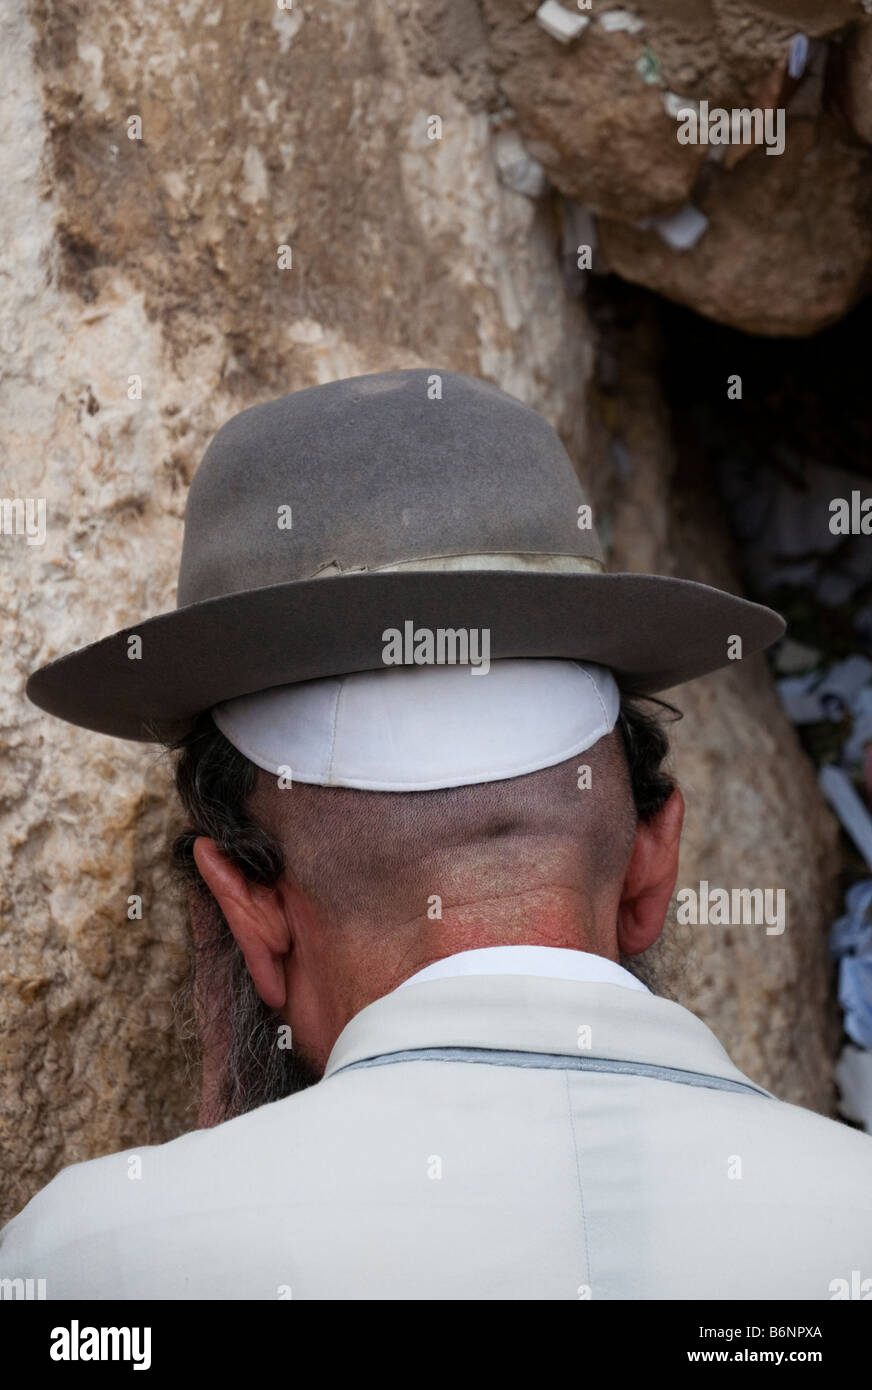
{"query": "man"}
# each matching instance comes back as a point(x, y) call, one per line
point(427, 818)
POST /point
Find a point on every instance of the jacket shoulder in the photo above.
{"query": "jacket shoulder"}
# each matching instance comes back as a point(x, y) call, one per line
point(86, 1216)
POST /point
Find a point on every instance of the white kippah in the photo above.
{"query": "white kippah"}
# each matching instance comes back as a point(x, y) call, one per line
point(418, 728)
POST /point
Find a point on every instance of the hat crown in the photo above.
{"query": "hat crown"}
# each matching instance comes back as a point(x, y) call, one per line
point(444, 506)
point(375, 471)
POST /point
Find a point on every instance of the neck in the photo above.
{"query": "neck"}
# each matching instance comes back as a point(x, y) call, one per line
point(435, 940)
point(337, 973)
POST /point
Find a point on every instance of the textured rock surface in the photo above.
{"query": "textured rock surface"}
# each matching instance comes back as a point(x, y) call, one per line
point(855, 85)
point(789, 247)
point(604, 136)
point(789, 244)
point(157, 259)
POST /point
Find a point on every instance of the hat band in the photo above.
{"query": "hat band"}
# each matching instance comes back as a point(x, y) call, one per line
point(537, 563)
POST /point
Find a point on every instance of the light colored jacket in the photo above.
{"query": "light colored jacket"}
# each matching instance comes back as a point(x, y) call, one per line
point(493, 1137)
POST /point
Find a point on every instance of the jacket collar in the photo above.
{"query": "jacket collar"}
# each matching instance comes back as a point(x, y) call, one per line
point(552, 962)
point(522, 1013)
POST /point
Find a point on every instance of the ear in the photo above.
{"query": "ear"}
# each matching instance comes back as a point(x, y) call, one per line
point(650, 878)
point(255, 917)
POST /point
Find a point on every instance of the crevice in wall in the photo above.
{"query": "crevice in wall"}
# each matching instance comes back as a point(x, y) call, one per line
point(770, 445)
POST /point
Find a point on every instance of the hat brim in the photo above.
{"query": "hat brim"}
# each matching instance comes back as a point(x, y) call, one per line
point(652, 631)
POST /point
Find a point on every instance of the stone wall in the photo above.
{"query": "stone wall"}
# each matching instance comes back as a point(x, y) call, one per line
point(788, 248)
point(156, 259)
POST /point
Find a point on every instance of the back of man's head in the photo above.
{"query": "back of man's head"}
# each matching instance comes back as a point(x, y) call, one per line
point(388, 881)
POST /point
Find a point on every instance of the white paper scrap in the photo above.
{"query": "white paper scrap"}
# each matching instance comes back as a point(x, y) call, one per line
point(683, 229)
point(620, 22)
point(840, 792)
point(561, 24)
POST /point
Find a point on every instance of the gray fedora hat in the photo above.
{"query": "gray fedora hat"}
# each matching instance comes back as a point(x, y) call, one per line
point(319, 521)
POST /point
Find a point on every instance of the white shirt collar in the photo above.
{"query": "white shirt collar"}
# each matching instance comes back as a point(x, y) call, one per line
point(551, 962)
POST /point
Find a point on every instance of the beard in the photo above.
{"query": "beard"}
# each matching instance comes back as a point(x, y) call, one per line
point(667, 966)
point(230, 1036)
